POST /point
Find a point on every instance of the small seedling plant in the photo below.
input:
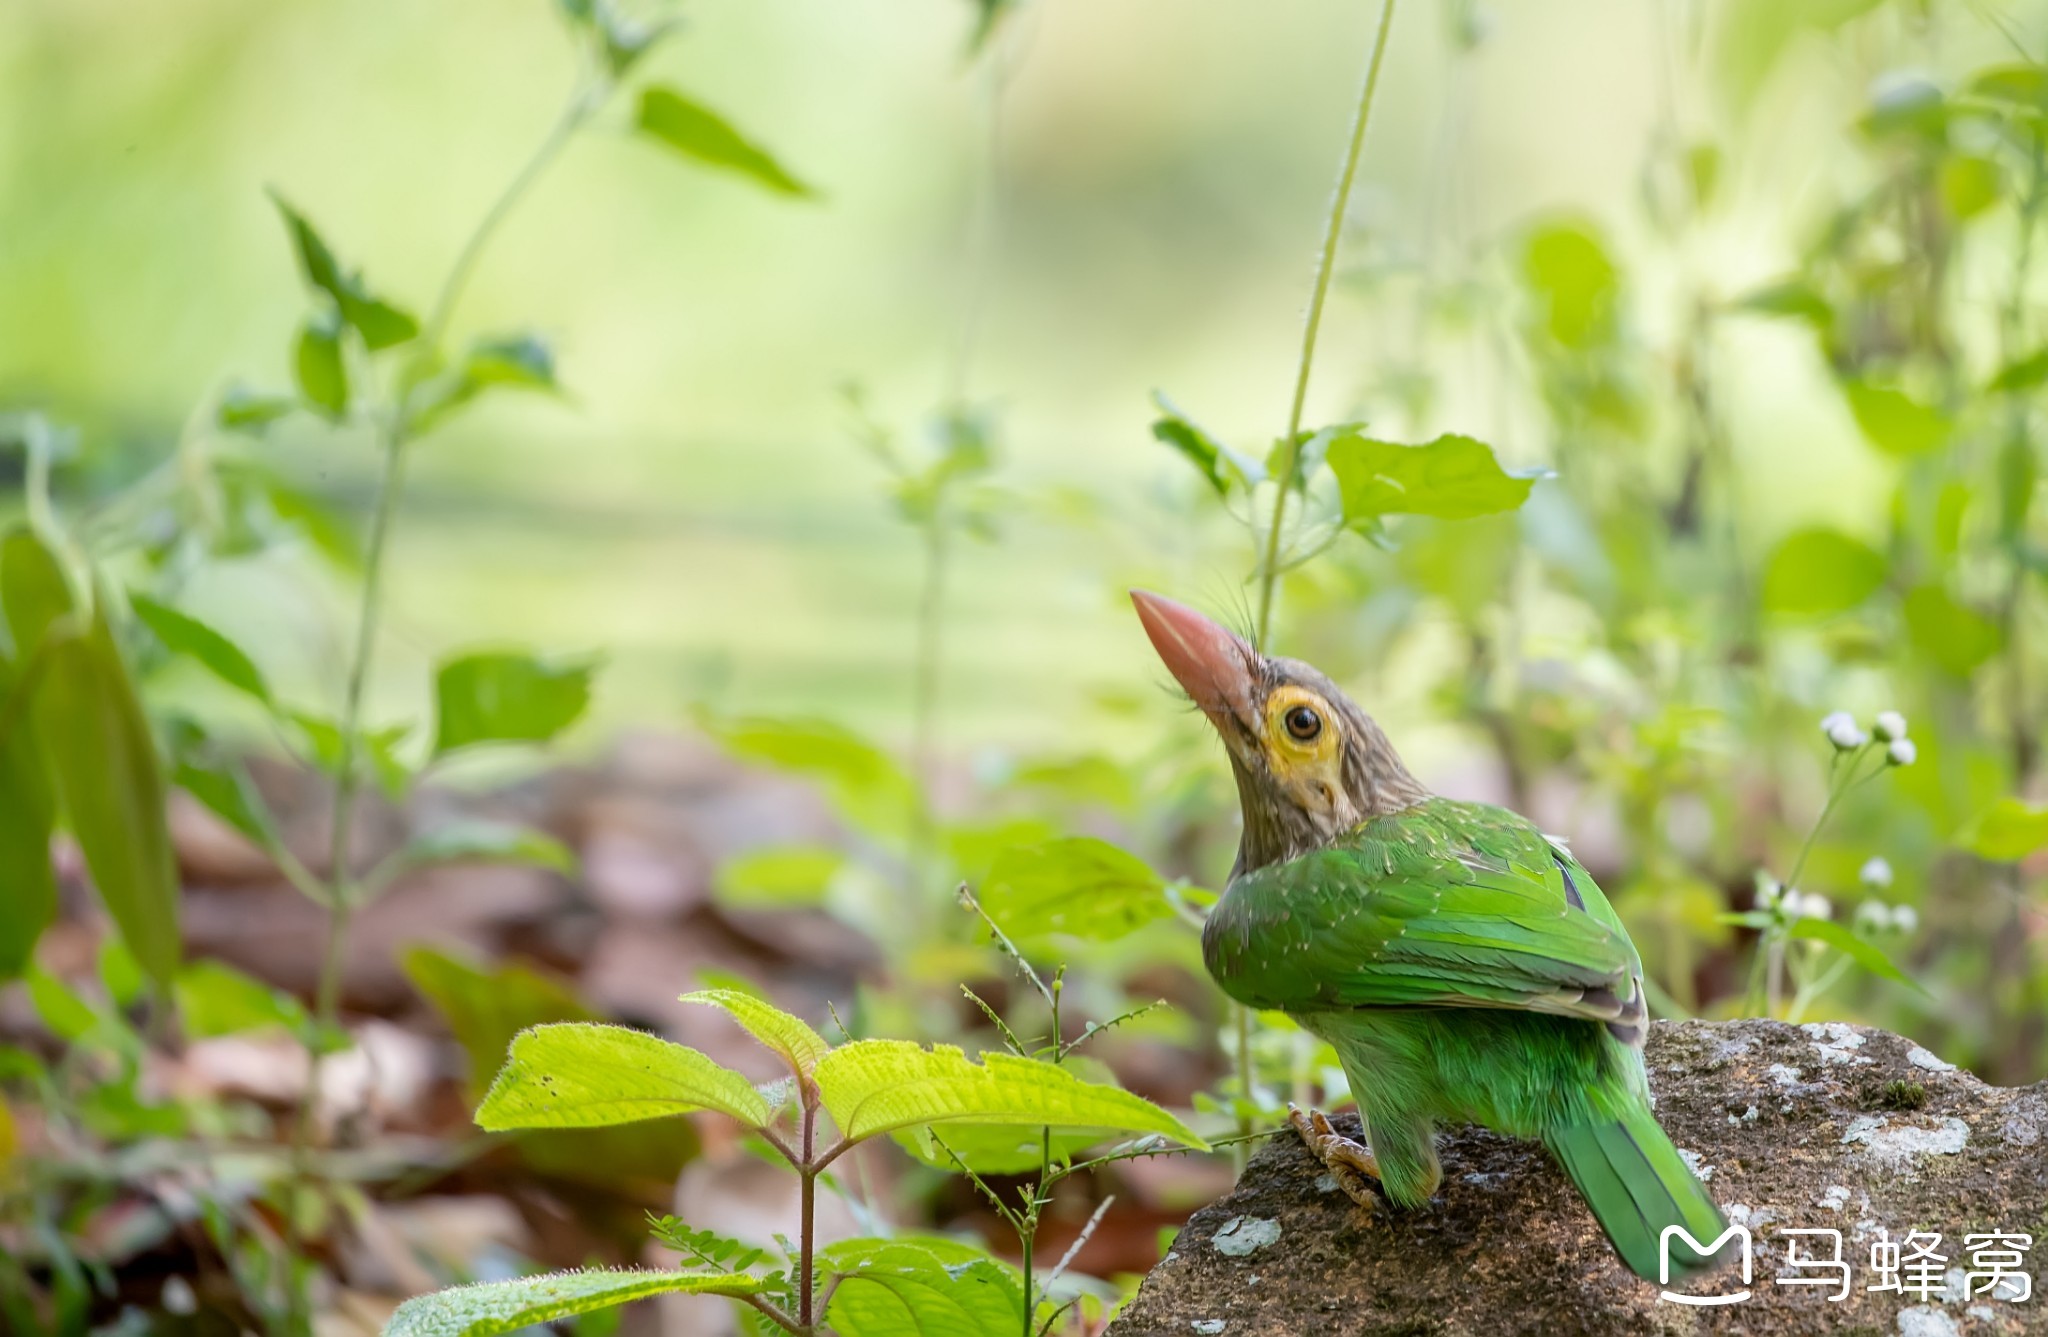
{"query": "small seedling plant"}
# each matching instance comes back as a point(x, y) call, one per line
point(586, 1075)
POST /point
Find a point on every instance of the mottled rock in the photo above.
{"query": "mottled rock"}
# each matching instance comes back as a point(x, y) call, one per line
point(1828, 1127)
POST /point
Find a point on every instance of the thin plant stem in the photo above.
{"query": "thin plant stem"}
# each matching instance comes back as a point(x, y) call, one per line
point(808, 1209)
point(395, 431)
point(1326, 264)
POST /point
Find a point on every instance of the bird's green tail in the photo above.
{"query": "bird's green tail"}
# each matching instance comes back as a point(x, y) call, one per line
point(1637, 1184)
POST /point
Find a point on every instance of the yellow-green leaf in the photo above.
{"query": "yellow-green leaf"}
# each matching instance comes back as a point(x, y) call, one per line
point(583, 1075)
point(792, 1040)
point(493, 1307)
point(2010, 830)
point(695, 131)
point(1078, 885)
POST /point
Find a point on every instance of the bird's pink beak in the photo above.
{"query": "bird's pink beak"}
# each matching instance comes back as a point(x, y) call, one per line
point(1211, 662)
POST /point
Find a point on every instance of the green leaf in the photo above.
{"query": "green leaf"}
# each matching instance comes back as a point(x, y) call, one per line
point(474, 841)
point(318, 366)
point(864, 782)
point(244, 410)
point(790, 1038)
point(576, 1075)
point(1566, 267)
point(2024, 85)
point(2008, 831)
point(1970, 184)
point(1794, 297)
point(1225, 470)
point(494, 1307)
point(1950, 635)
point(1820, 572)
point(185, 635)
point(216, 999)
point(706, 1248)
point(507, 697)
point(230, 795)
point(2022, 374)
point(514, 361)
point(921, 1287)
point(377, 746)
point(1894, 421)
point(1452, 478)
point(877, 1086)
point(28, 814)
point(381, 324)
point(1842, 940)
point(1078, 885)
point(696, 131)
point(789, 876)
point(61, 1009)
point(89, 724)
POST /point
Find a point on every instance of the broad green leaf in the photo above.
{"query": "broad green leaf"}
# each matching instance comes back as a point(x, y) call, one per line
point(920, 1287)
point(866, 783)
point(1894, 421)
point(185, 635)
point(216, 999)
point(577, 1075)
point(696, 131)
point(2021, 374)
point(1078, 885)
point(1970, 184)
point(2025, 85)
point(244, 410)
point(61, 1009)
point(1820, 572)
point(1225, 470)
point(318, 366)
point(1842, 940)
point(28, 813)
point(792, 875)
point(2008, 831)
point(472, 841)
point(1566, 267)
point(1951, 635)
point(494, 1307)
point(877, 1086)
point(381, 324)
point(991, 1149)
point(507, 697)
point(789, 1037)
point(120, 973)
point(1452, 478)
point(229, 795)
point(89, 724)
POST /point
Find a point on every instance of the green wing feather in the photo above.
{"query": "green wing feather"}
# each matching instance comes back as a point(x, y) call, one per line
point(1445, 904)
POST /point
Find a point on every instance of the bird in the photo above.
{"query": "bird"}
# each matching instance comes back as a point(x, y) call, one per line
point(1464, 965)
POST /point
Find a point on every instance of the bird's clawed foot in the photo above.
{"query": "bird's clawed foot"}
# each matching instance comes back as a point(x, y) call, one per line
point(1350, 1163)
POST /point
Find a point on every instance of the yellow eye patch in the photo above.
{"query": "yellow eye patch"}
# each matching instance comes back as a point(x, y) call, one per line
point(1300, 725)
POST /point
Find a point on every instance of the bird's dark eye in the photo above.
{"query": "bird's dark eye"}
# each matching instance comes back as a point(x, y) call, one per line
point(1303, 723)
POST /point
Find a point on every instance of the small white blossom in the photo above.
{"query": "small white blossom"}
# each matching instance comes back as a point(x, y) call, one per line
point(1875, 873)
point(1847, 737)
point(1873, 916)
point(1905, 918)
point(1768, 890)
point(1901, 752)
point(1836, 719)
point(1809, 905)
point(1889, 725)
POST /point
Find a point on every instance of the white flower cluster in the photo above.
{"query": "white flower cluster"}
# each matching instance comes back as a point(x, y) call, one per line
point(1841, 729)
point(1877, 917)
point(1791, 903)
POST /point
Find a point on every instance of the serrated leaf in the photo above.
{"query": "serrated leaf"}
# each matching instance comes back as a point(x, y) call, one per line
point(1820, 572)
point(579, 1075)
point(318, 366)
point(790, 1038)
point(2008, 831)
point(1078, 885)
point(183, 634)
point(1452, 478)
point(494, 1307)
point(877, 1086)
point(476, 841)
point(921, 1287)
point(695, 131)
point(1842, 940)
point(507, 697)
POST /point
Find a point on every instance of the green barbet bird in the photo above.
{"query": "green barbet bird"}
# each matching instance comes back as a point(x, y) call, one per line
point(1463, 965)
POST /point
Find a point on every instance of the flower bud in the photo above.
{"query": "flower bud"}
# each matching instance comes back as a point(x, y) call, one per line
point(1905, 918)
point(1847, 737)
point(1873, 916)
point(1889, 725)
point(1836, 719)
point(1810, 905)
point(1901, 752)
point(1768, 890)
point(1875, 873)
